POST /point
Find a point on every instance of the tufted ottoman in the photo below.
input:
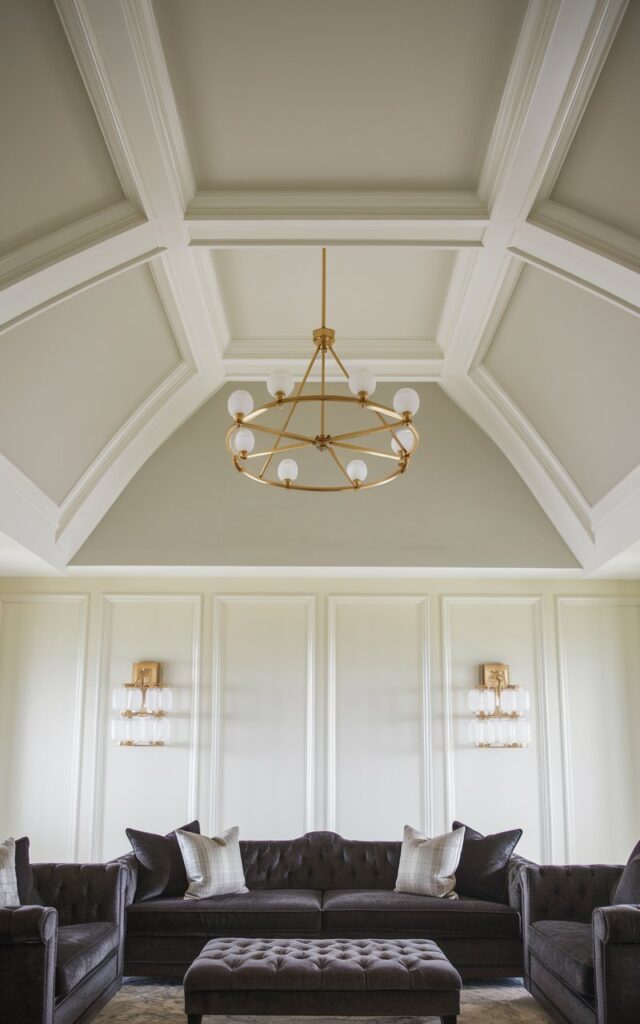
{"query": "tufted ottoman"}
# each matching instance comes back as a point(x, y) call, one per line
point(337, 977)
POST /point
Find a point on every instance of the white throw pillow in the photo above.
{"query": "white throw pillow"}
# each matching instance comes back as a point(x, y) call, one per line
point(213, 866)
point(427, 866)
point(8, 881)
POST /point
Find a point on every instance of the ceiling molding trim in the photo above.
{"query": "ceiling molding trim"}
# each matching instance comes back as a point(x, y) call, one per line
point(182, 392)
point(588, 233)
point(230, 234)
point(506, 288)
point(210, 285)
point(74, 238)
point(145, 37)
point(289, 204)
point(604, 23)
point(524, 72)
point(49, 282)
point(396, 369)
point(454, 299)
point(317, 572)
point(522, 454)
point(627, 490)
point(536, 445)
point(27, 514)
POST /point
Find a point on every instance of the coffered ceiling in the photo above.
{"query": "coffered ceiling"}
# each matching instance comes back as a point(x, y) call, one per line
point(171, 170)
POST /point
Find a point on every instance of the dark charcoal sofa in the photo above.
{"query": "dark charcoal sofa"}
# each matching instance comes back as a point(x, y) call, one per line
point(321, 885)
point(61, 962)
point(582, 954)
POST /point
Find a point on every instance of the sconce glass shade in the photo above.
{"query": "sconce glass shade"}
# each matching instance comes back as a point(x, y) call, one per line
point(240, 403)
point(159, 699)
point(288, 470)
point(406, 401)
point(482, 700)
point(357, 471)
point(362, 380)
point(406, 439)
point(280, 381)
point(127, 698)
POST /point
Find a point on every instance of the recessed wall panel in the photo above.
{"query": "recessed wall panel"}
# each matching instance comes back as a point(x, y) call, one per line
point(377, 726)
point(264, 676)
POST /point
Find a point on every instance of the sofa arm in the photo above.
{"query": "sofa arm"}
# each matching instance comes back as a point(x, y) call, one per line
point(569, 892)
point(514, 880)
point(616, 961)
point(82, 893)
point(130, 865)
point(28, 941)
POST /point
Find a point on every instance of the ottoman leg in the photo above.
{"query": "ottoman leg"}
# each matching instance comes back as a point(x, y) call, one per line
point(194, 1018)
point(449, 1019)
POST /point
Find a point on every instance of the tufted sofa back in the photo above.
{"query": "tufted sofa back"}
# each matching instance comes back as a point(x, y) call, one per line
point(320, 860)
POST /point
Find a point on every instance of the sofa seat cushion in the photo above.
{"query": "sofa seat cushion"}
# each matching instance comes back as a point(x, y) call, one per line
point(254, 913)
point(566, 949)
point(81, 948)
point(378, 912)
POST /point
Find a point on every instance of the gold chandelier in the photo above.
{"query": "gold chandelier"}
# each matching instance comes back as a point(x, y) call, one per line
point(393, 424)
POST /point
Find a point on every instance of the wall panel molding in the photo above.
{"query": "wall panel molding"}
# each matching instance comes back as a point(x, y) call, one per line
point(540, 738)
point(562, 602)
point(219, 602)
point(102, 712)
point(423, 641)
point(79, 700)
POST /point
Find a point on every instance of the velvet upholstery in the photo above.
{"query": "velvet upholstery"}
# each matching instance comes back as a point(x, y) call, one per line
point(321, 885)
point(300, 976)
point(380, 912)
point(483, 868)
point(582, 955)
point(61, 962)
point(628, 890)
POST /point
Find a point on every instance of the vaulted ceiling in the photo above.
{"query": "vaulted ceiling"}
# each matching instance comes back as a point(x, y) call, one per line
point(170, 170)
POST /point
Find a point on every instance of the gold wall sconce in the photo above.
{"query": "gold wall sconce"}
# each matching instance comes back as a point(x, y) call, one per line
point(142, 706)
point(498, 708)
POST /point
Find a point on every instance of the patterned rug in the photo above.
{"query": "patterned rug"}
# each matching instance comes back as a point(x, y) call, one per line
point(141, 1001)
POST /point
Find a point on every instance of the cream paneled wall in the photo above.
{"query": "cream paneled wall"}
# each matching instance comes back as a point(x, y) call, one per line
point(315, 703)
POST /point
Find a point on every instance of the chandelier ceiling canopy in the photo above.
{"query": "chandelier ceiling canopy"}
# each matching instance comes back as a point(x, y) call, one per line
point(378, 422)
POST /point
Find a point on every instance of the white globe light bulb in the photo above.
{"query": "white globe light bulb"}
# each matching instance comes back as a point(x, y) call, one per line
point(243, 441)
point(240, 403)
point(357, 471)
point(280, 381)
point(406, 439)
point(406, 401)
point(288, 470)
point(362, 380)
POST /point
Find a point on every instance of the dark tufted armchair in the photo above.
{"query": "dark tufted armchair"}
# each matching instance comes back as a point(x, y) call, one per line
point(60, 963)
point(581, 954)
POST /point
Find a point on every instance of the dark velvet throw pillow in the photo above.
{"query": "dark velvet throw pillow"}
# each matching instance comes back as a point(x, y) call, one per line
point(27, 891)
point(628, 890)
point(482, 871)
point(160, 865)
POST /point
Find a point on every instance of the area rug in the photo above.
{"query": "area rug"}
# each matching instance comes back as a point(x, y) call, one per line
point(144, 1002)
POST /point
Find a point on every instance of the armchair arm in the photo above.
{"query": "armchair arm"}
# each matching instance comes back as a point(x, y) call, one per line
point(130, 865)
point(82, 893)
point(569, 892)
point(514, 882)
point(28, 941)
point(616, 948)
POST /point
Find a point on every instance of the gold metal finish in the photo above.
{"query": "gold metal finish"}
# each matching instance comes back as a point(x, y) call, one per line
point(386, 422)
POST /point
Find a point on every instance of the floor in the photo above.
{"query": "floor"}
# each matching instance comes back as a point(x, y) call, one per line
point(145, 1002)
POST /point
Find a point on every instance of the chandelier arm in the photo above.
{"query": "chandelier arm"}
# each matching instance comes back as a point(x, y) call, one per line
point(341, 467)
point(285, 448)
point(339, 362)
point(367, 451)
point(291, 410)
point(322, 385)
point(392, 427)
point(282, 433)
point(318, 490)
point(363, 433)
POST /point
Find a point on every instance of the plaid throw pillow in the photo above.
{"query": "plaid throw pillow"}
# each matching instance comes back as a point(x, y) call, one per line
point(213, 866)
point(8, 879)
point(427, 866)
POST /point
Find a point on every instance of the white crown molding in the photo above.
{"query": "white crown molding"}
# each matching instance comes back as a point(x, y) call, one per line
point(330, 231)
point(589, 235)
point(339, 204)
point(396, 369)
point(579, 265)
point(603, 24)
